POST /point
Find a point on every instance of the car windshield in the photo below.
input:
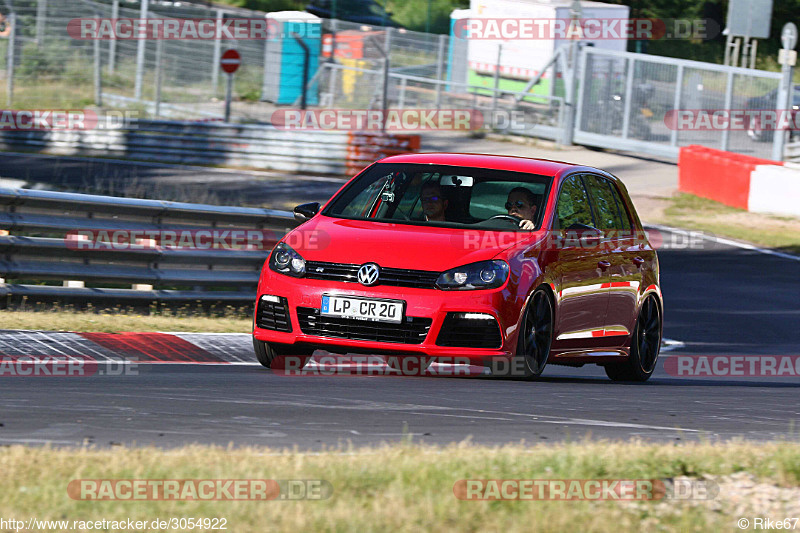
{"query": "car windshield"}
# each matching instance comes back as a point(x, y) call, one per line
point(448, 196)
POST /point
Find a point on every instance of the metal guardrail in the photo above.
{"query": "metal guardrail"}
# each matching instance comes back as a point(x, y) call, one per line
point(37, 243)
point(238, 145)
point(791, 152)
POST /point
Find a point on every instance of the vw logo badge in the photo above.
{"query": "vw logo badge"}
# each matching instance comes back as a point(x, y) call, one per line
point(368, 274)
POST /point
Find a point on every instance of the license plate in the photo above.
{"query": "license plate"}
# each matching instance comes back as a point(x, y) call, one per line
point(362, 308)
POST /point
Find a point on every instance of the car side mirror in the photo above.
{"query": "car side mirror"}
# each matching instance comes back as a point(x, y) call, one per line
point(305, 212)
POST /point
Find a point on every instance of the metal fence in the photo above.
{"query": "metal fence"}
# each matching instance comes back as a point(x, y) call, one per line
point(625, 97)
point(38, 246)
point(621, 99)
point(52, 68)
point(520, 113)
point(174, 78)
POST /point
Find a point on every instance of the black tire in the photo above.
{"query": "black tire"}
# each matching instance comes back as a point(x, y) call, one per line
point(273, 356)
point(535, 339)
point(645, 345)
point(416, 367)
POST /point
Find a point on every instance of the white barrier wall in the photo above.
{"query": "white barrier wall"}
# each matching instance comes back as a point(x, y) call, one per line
point(775, 189)
point(211, 143)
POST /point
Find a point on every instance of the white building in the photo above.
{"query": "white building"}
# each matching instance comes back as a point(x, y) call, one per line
point(530, 32)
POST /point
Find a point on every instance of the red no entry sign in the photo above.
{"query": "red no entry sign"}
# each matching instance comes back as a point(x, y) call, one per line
point(230, 61)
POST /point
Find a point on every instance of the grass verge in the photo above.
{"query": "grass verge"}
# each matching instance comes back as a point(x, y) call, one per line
point(692, 212)
point(111, 322)
point(409, 487)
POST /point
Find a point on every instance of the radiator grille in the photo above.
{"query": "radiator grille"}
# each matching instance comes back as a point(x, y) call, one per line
point(348, 273)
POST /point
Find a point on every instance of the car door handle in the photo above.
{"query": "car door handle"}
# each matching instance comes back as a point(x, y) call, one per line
point(603, 264)
point(638, 261)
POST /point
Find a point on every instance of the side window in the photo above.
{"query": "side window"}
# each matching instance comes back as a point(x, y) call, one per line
point(605, 205)
point(608, 204)
point(573, 204)
point(360, 205)
point(623, 213)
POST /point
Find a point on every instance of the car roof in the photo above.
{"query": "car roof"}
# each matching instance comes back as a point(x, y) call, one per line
point(544, 167)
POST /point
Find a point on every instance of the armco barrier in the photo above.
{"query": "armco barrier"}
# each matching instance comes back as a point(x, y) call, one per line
point(35, 246)
point(717, 175)
point(792, 152)
point(210, 143)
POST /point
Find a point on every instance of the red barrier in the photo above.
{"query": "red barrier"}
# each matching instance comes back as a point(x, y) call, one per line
point(366, 147)
point(717, 175)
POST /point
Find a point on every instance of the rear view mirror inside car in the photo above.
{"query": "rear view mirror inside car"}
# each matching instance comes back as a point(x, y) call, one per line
point(456, 181)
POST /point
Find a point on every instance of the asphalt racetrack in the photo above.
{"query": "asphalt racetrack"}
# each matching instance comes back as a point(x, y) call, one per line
point(721, 301)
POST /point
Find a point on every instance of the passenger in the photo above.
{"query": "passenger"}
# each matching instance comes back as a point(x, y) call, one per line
point(433, 203)
point(522, 204)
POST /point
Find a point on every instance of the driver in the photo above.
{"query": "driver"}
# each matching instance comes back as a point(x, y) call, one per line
point(433, 203)
point(521, 204)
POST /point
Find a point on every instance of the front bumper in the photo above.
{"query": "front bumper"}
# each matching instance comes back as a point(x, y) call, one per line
point(303, 295)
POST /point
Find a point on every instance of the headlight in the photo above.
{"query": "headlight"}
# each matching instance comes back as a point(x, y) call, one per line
point(481, 275)
point(285, 260)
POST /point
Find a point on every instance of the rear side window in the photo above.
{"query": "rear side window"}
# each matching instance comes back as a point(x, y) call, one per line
point(609, 209)
point(605, 207)
point(573, 204)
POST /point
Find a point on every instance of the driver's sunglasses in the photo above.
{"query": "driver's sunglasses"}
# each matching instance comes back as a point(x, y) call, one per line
point(429, 199)
point(519, 204)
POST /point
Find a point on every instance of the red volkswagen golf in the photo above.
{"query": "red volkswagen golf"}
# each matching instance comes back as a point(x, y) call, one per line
point(508, 262)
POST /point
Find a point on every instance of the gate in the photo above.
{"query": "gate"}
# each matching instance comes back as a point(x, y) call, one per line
point(624, 97)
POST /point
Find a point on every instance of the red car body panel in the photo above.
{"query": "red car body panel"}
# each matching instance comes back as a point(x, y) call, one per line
point(595, 309)
point(384, 243)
